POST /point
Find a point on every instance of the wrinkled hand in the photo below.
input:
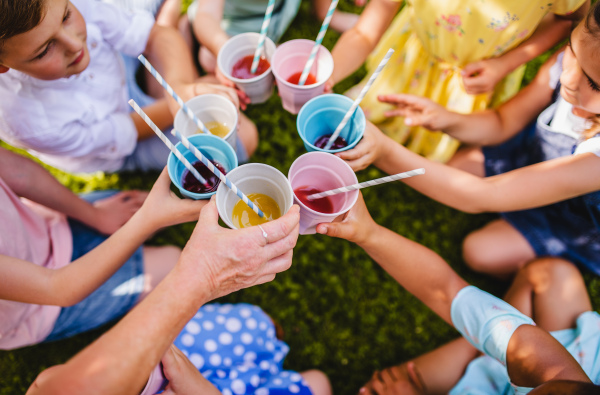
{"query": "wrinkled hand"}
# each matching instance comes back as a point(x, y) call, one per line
point(356, 226)
point(417, 111)
point(368, 150)
point(483, 76)
point(111, 213)
point(397, 380)
point(163, 208)
point(236, 259)
point(184, 378)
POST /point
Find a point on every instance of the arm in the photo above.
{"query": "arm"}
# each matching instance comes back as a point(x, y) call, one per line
point(215, 262)
point(207, 25)
point(356, 44)
point(26, 282)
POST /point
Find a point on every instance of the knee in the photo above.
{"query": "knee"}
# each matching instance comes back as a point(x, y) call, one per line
point(543, 272)
point(317, 381)
point(248, 133)
point(473, 255)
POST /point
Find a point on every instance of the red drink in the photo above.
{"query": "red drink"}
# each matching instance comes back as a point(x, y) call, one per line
point(321, 142)
point(323, 205)
point(294, 78)
point(241, 69)
point(192, 184)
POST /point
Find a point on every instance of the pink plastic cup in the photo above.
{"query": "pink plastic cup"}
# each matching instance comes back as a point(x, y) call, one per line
point(322, 171)
point(289, 58)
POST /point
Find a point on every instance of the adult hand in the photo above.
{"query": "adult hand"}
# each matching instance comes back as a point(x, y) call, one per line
point(111, 213)
point(163, 208)
point(357, 225)
point(236, 259)
point(417, 111)
point(184, 378)
point(483, 76)
point(368, 150)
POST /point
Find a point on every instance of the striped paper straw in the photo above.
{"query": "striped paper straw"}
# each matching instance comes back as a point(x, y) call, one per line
point(263, 34)
point(165, 140)
point(171, 92)
point(315, 48)
point(198, 154)
point(365, 184)
point(361, 96)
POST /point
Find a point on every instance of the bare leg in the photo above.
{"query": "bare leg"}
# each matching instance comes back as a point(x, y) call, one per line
point(207, 60)
point(551, 291)
point(317, 381)
point(469, 159)
point(433, 373)
point(248, 134)
point(186, 31)
point(341, 20)
point(169, 13)
point(158, 262)
point(497, 249)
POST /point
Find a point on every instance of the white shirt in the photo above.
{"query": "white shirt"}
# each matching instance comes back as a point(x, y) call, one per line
point(80, 123)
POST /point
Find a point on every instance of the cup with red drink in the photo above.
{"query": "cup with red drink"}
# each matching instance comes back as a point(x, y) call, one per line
point(288, 63)
point(235, 60)
point(320, 117)
point(217, 150)
point(316, 172)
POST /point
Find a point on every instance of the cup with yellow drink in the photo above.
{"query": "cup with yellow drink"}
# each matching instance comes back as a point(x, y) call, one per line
point(217, 113)
point(264, 185)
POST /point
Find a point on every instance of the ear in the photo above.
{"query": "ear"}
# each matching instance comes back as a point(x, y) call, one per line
point(3, 69)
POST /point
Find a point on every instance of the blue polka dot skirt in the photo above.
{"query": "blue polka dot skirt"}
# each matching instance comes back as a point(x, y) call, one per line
point(235, 348)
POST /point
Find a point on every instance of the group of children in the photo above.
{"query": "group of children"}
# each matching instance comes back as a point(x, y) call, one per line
point(68, 69)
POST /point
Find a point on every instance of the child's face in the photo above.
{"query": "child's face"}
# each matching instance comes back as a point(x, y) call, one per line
point(580, 79)
point(56, 48)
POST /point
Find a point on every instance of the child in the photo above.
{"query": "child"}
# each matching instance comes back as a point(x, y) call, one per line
point(61, 277)
point(455, 53)
point(548, 197)
point(519, 354)
point(65, 88)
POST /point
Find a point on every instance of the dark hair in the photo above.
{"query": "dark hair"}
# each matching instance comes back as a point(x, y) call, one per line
point(592, 25)
point(19, 16)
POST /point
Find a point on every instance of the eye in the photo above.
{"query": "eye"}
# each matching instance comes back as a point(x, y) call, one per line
point(45, 51)
point(67, 16)
point(593, 85)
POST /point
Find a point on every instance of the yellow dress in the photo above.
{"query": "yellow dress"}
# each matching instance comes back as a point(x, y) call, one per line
point(433, 39)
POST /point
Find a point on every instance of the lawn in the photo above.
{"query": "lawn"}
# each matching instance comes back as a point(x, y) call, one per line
point(341, 313)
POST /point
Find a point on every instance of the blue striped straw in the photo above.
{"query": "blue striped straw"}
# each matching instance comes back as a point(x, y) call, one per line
point(171, 92)
point(165, 140)
point(263, 35)
point(198, 154)
point(315, 48)
point(362, 94)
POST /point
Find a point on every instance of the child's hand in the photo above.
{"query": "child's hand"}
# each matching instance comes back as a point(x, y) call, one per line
point(417, 111)
point(483, 76)
point(184, 378)
point(236, 96)
point(395, 381)
point(368, 150)
point(111, 213)
point(357, 225)
point(223, 79)
point(329, 85)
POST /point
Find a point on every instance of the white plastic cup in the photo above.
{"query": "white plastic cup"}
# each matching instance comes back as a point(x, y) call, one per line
point(254, 178)
point(289, 59)
point(324, 172)
point(260, 88)
point(209, 108)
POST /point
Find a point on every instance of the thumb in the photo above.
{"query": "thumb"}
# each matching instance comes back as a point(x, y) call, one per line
point(335, 229)
point(471, 69)
point(209, 215)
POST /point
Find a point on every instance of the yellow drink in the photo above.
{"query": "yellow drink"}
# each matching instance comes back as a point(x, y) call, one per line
point(216, 128)
point(243, 216)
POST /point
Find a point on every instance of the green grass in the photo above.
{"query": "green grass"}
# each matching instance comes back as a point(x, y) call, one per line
point(341, 313)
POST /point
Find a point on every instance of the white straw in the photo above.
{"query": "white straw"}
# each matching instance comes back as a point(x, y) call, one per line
point(362, 94)
point(263, 35)
point(366, 184)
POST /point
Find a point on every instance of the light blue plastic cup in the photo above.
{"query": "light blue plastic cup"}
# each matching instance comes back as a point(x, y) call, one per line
point(322, 115)
point(213, 147)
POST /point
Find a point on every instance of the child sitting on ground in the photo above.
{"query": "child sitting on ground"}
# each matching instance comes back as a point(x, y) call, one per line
point(65, 83)
point(60, 277)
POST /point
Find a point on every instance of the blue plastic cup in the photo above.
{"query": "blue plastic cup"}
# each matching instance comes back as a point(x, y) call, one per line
point(213, 147)
point(322, 115)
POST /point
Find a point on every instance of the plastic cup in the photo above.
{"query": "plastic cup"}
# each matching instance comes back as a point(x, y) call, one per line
point(254, 178)
point(260, 88)
point(323, 114)
point(209, 108)
point(289, 59)
point(212, 147)
point(322, 171)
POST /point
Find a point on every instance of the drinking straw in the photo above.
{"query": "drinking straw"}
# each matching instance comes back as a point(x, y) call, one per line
point(171, 92)
point(315, 48)
point(263, 35)
point(198, 155)
point(362, 94)
point(365, 184)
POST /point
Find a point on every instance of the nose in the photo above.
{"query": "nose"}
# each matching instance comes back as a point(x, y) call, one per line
point(71, 42)
point(571, 75)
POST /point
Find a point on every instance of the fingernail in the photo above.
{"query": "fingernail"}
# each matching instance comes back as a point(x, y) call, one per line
point(322, 230)
point(408, 121)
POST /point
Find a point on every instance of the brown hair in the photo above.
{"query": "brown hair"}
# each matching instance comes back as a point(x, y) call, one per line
point(592, 25)
point(19, 16)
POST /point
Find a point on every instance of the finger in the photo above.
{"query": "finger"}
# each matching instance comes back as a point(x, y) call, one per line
point(399, 112)
point(387, 377)
point(209, 215)
point(359, 164)
point(340, 230)
point(415, 376)
point(401, 98)
point(472, 68)
point(281, 227)
point(358, 152)
point(278, 264)
point(267, 278)
point(282, 246)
